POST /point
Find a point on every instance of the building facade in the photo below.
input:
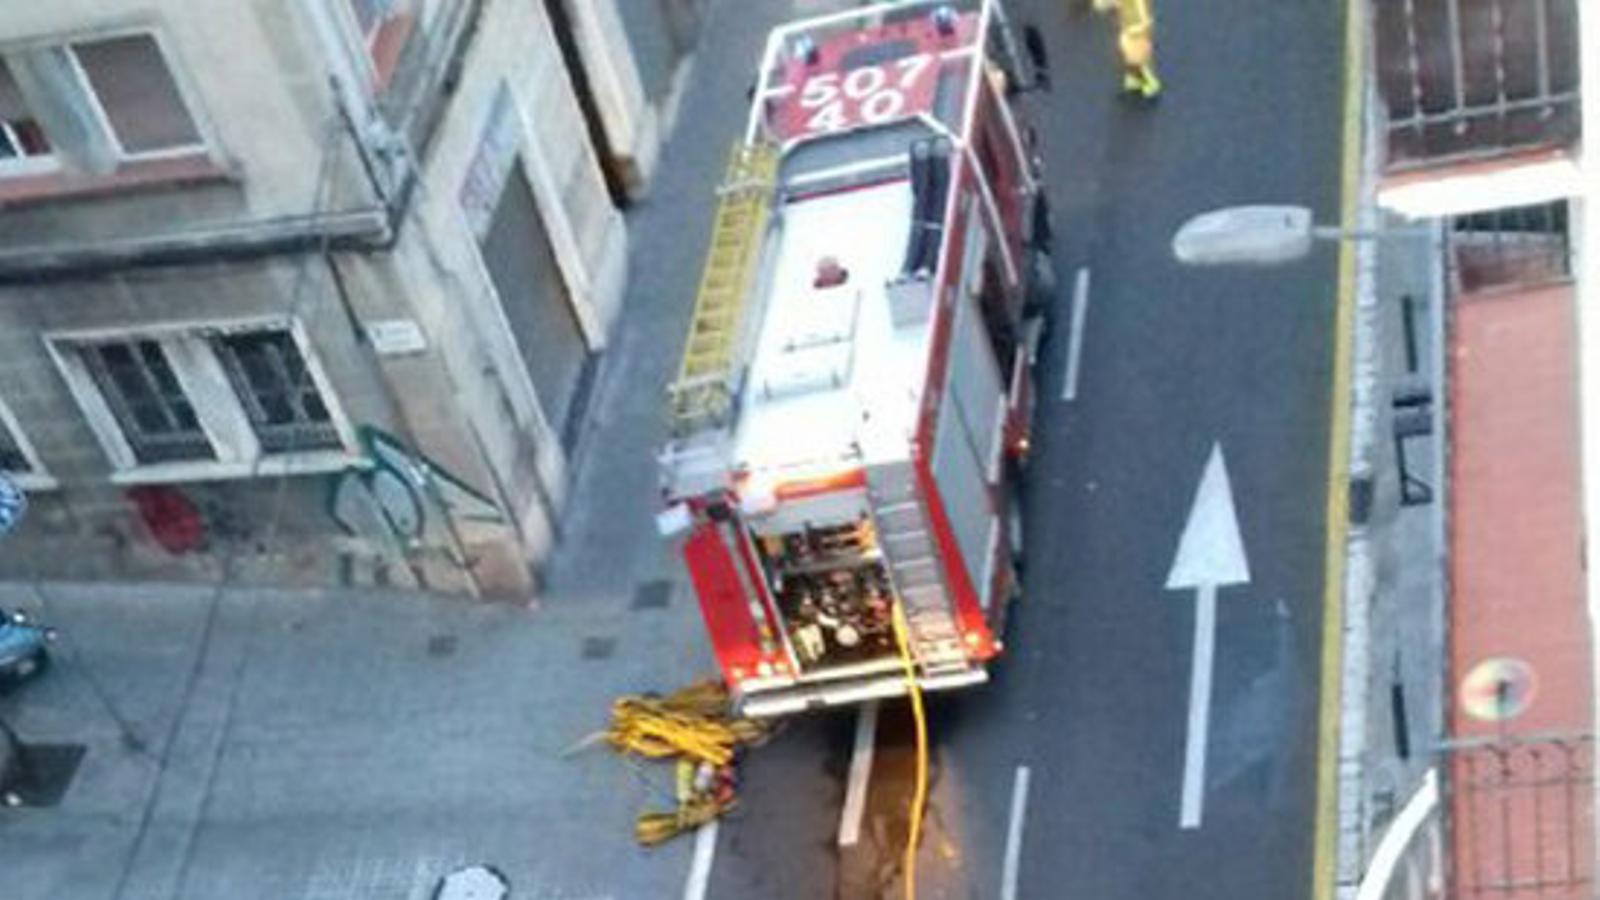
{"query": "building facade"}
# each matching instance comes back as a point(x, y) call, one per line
point(309, 291)
point(1485, 107)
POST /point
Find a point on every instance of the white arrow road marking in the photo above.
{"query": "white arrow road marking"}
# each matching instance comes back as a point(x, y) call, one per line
point(1210, 554)
point(705, 846)
point(1080, 312)
point(1194, 749)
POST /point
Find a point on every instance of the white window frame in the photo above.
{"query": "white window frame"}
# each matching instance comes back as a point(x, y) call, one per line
point(36, 478)
point(185, 96)
point(366, 41)
point(42, 164)
point(195, 364)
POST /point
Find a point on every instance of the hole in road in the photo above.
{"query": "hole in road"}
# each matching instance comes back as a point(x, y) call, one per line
point(654, 594)
point(39, 774)
point(598, 647)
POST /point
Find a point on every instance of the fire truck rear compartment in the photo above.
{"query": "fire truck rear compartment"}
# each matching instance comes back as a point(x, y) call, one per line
point(834, 598)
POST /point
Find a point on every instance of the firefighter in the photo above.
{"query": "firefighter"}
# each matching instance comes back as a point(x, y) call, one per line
point(1135, 44)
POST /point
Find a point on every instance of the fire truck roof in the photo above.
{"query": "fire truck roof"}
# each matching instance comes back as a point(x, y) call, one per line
point(869, 67)
point(836, 373)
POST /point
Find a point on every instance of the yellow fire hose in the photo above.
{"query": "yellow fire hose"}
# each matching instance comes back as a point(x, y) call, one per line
point(697, 805)
point(696, 726)
point(693, 722)
point(919, 792)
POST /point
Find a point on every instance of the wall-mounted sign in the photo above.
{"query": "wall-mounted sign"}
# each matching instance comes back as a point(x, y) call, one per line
point(396, 337)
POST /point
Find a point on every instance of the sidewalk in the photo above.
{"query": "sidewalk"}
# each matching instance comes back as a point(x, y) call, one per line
point(326, 745)
point(1397, 569)
point(309, 745)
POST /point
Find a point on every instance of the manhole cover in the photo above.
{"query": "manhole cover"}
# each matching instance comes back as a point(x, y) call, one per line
point(599, 647)
point(652, 594)
point(41, 773)
point(442, 645)
point(473, 883)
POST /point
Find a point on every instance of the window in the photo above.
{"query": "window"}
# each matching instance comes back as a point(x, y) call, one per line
point(22, 142)
point(17, 457)
point(91, 106)
point(384, 27)
point(270, 378)
point(150, 406)
point(371, 15)
point(1511, 247)
point(138, 99)
point(205, 401)
point(12, 459)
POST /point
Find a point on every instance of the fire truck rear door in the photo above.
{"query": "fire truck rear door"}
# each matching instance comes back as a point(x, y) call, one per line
point(727, 600)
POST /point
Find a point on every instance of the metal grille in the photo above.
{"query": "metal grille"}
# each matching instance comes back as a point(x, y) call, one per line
point(12, 459)
point(1474, 78)
point(156, 417)
point(1522, 819)
point(277, 392)
point(1515, 247)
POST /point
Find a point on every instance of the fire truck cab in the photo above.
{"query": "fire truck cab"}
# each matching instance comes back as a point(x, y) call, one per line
point(853, 405)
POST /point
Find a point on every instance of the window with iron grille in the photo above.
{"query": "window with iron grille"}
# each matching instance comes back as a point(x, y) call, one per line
point(139, 386)
point(1517, 246)
point(278, 394)
point(12, 459)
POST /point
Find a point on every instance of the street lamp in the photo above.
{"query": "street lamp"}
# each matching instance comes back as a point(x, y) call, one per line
point(1263, 236)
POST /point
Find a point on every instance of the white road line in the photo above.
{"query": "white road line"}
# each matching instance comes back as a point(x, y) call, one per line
point(855, 793)
point(705, 844)
point(1194, 751)
point(1080, 311)
point(1013, 860)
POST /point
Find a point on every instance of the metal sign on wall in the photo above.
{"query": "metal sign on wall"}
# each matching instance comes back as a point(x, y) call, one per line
point(13, 504)
point(491, 163)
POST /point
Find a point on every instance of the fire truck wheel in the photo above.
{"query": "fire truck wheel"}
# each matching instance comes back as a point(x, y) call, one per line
point(1014, 532)
point(1036, 310)
point(1042, 234)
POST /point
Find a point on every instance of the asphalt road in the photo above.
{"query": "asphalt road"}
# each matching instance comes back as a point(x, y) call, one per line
point(1094, 694)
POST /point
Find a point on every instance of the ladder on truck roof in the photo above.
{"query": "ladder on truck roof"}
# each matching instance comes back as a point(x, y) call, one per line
point(702, 396)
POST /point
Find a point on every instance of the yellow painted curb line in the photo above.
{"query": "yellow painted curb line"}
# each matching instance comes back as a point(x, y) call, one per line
point(1324, 864)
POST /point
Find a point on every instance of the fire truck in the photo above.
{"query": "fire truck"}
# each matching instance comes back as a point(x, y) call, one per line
point(852, 409)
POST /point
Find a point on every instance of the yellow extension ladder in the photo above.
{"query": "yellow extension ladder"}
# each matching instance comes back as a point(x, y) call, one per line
point(702, 395)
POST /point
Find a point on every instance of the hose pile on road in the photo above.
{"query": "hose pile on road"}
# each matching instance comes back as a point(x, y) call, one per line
point(695, 722)
point(704, 793)
point(696, 726)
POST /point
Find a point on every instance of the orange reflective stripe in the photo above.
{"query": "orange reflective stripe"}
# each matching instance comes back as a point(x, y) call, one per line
point(810, 487)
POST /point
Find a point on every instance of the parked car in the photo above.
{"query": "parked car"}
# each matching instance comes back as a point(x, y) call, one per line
point(24, 646)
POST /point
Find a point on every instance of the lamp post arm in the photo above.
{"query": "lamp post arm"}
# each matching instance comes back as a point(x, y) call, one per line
point(1335, 233)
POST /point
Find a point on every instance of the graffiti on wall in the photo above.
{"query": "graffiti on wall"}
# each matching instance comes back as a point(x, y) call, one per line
point(402, 496)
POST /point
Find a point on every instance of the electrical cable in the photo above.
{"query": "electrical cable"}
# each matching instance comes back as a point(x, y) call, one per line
point(229, 558)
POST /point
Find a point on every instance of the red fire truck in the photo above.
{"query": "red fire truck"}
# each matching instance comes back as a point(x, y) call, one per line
point(854, 400)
